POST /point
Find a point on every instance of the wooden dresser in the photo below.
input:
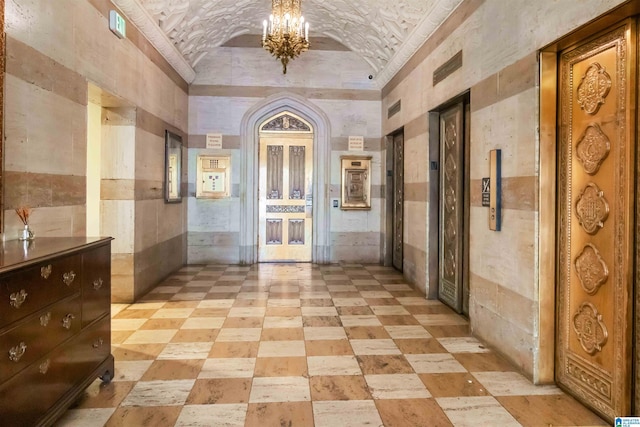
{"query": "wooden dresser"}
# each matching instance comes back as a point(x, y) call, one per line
point(55, 325)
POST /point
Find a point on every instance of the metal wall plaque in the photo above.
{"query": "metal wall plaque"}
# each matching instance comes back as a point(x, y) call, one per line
point(495, 165)
point(486, 187)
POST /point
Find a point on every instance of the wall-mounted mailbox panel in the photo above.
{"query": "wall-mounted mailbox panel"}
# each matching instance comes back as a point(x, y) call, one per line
point(213, 178)
point(356, 182)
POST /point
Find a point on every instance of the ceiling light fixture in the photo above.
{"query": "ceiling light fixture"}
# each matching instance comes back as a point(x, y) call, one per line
point(286, 34)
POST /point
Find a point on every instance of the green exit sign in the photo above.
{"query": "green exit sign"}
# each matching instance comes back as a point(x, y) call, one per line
point(117, 24)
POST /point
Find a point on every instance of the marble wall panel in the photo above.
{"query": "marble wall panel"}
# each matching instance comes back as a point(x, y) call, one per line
point(256, 67)
point(118, 221)
point(217, 114)
point(146, 224)
point(44, 132)
point(149, 156)
point(415, 224)
point(511, 126)
point(352, 117)
point(506, 257)
point(118, 160)
point(171, 219)
point(156, 262)
point(54, 221)
point(415, 267)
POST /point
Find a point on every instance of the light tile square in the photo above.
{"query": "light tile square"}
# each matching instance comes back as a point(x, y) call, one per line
point(282, 322)
point(219, 415)
point(463, 345)
point(349, 302)
point(434, 363)
point(324, 333)
point(342, 288)
point(373, 347)
point(216, 303)
point(172, 313)
point(319, 311)
point(151, 336)
point(360, 320)
point(440, 319)
point(142, 306)
point(281, 349)
point(159, 393)
point(407, 332)
point(375, 294)
point(512, 384)
point(280, 389)
point(416, 301)
point(476, 411)
point(228, 368)
point(203, 323)
point(333, 365)
point(189, 296)
point(352, 413)
point(130, 370)
point(189, 350)
point(284, 302)
point(126, 324)
point(90, 417)
point(389, 310)
point(247, 312)
point(397, 386)
point(239, 334)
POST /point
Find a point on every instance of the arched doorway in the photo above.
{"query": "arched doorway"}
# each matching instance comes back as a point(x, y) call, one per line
point(249, 169)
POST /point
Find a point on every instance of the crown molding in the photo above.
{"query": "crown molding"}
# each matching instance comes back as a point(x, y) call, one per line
point(139, 16)
point(439, 13)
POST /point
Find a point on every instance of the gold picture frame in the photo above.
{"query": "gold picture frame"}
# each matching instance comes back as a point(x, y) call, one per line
point(356, 182)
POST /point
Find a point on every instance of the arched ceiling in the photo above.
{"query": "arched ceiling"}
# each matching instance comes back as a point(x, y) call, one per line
point(385, 33)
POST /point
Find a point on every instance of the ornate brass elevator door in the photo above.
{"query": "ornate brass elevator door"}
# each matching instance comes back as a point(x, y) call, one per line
point(398, 200)
point(285, 204)
point(596, 152)
point(452, 250)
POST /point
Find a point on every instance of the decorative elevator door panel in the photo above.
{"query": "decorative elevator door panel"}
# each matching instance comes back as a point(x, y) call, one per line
point(452, 173)
point(285, 205)
point(398, 200)
point(596, 148)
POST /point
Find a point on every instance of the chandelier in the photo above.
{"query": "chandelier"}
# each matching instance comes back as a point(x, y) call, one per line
point(286, 34)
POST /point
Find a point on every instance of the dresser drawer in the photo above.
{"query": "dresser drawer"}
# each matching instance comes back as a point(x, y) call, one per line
point(96, 286)
point(26, 398)
point(27, 291)
point(35, 336)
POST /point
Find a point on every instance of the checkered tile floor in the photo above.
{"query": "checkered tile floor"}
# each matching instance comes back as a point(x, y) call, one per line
point(307, 345)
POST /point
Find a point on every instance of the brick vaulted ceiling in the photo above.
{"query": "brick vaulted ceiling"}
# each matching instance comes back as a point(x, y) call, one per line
point(385, 33)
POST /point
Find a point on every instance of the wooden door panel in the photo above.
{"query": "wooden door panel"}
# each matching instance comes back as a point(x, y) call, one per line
point(285, 199)
point(451, 206)
point(398, 200)
point(595, 214)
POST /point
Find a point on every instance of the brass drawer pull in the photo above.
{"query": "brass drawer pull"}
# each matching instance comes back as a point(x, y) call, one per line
point(98, 343)
point(17, 352)
point(97, 284)
point(45, 271)
point(45, 318)
point(67, 278)
point(44, 366)
point(66, 322)
point(17, 298)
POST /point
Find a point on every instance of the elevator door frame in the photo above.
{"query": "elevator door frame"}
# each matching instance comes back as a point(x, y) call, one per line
point(433, 214)
point(547, 195)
